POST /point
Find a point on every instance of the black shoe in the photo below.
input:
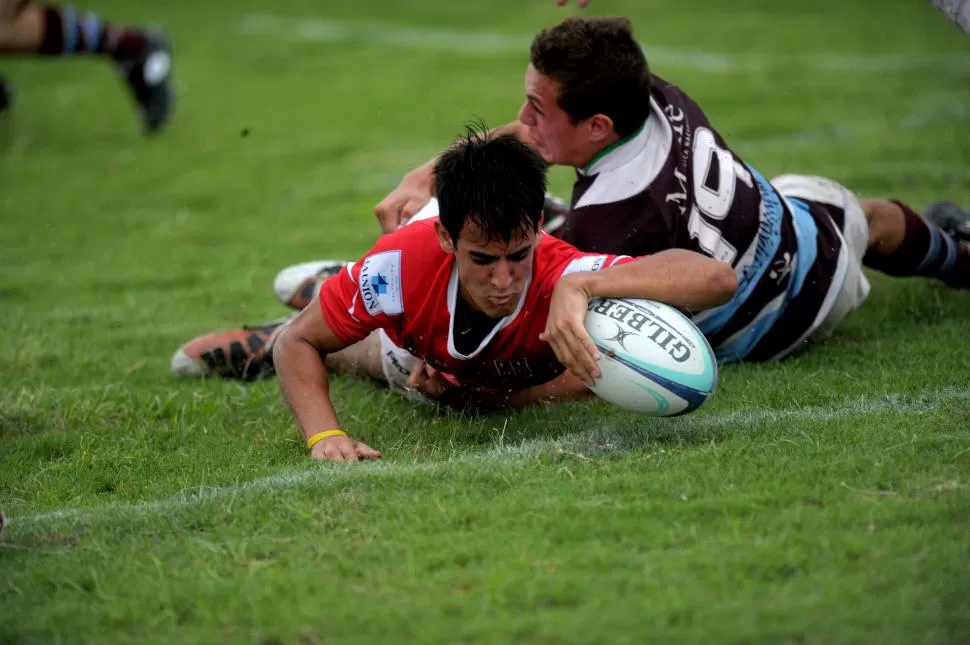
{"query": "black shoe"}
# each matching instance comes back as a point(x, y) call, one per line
point(150, 78)
point(6, 94)
point(555, 209)
point(950, 218)
point(296, 285)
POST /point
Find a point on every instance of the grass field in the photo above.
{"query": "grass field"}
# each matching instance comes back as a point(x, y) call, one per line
point(822, 500)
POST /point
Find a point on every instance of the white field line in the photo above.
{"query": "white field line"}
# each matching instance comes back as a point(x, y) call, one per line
point(596, 440)
point(477, 42)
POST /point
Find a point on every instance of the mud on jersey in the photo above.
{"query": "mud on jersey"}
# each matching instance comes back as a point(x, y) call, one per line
point(676, 184)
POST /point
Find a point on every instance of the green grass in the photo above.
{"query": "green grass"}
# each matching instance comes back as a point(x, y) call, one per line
point(821, 500)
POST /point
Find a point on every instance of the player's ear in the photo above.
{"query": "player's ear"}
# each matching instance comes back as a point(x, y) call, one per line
point(444, 238)
point(600, 128)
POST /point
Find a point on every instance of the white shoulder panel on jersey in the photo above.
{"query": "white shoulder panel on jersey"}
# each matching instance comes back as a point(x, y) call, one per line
point(427, 211)
point(632, 167)
point(585, 263)
point(380, 283)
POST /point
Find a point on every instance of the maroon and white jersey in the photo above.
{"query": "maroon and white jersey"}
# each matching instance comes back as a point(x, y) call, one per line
point(676, 184)
point(408, 286)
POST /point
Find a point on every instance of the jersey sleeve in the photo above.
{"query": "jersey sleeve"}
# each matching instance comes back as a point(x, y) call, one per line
point(565, 259)
point(367, 295)
point(631, 226)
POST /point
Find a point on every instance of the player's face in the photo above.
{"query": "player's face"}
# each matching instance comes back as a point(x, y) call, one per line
point(557, 139)
point(492, 275)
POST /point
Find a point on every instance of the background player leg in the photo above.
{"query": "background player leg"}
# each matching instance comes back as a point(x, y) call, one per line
point(6, 94)
point(361, 359)
point(8, 11)
point(901, 243)
point(143, 57)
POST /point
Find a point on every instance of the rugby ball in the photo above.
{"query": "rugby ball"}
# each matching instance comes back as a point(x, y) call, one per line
point(654, 360)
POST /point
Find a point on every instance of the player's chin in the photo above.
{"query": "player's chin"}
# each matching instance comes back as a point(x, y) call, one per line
point(540, 146)
point(549, 156)
point(500, 310)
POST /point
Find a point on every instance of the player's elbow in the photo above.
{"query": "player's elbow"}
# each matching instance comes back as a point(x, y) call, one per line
point(280, 346)
point(723, 283)
point(284, 344)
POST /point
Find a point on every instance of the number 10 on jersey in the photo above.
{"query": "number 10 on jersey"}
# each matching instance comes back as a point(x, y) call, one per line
point(715, 173)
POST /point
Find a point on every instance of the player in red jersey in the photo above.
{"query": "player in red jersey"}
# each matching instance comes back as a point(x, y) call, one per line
point(488, 302)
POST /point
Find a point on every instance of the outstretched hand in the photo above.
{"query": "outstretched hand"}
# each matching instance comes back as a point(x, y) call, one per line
point(342, 449)
point(566, 333)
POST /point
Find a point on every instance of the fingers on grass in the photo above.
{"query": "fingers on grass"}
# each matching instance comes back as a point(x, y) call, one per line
point(366, 452)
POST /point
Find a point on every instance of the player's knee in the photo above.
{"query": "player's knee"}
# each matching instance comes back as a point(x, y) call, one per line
point(9, 10)
point(886, 222)
point(374, 357)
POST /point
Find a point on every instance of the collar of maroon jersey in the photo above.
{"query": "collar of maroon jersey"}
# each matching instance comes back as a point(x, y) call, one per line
point(599, 156)
point(630, 166)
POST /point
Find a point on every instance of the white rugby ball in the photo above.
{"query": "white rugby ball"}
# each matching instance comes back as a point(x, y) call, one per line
point(654, 360)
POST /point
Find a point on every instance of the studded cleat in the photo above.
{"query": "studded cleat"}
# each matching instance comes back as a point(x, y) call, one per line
point(149, 76)
point(244, 354)
point(555, 210)
point(296, 285)
point(950, 218)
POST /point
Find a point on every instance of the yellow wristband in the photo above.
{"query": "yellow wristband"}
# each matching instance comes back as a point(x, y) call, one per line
point(320, 436)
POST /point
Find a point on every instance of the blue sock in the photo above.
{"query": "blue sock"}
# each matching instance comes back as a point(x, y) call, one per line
point(69, 32)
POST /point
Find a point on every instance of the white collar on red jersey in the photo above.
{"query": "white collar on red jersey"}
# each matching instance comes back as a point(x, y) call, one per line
point(502, 324)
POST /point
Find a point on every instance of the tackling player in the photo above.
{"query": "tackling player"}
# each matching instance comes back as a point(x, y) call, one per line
point(653, 173)
point(490, 304)
point(143, 57)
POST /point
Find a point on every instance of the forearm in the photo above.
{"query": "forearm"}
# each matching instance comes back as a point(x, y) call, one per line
point(304, 384)
point(564, 387)
point(686, 280)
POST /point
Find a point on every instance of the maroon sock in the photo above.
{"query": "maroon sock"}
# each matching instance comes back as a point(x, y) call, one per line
point(925, 251)
point(69, 33)
point(125, 43)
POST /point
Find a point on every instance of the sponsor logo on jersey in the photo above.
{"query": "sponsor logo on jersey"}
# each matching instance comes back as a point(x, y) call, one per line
point(396, 364)
point(380, 284)
point(585, 263)
point(513, 368)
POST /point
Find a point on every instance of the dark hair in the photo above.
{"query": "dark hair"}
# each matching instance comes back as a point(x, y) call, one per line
point(600, 69)
point(496, 182)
